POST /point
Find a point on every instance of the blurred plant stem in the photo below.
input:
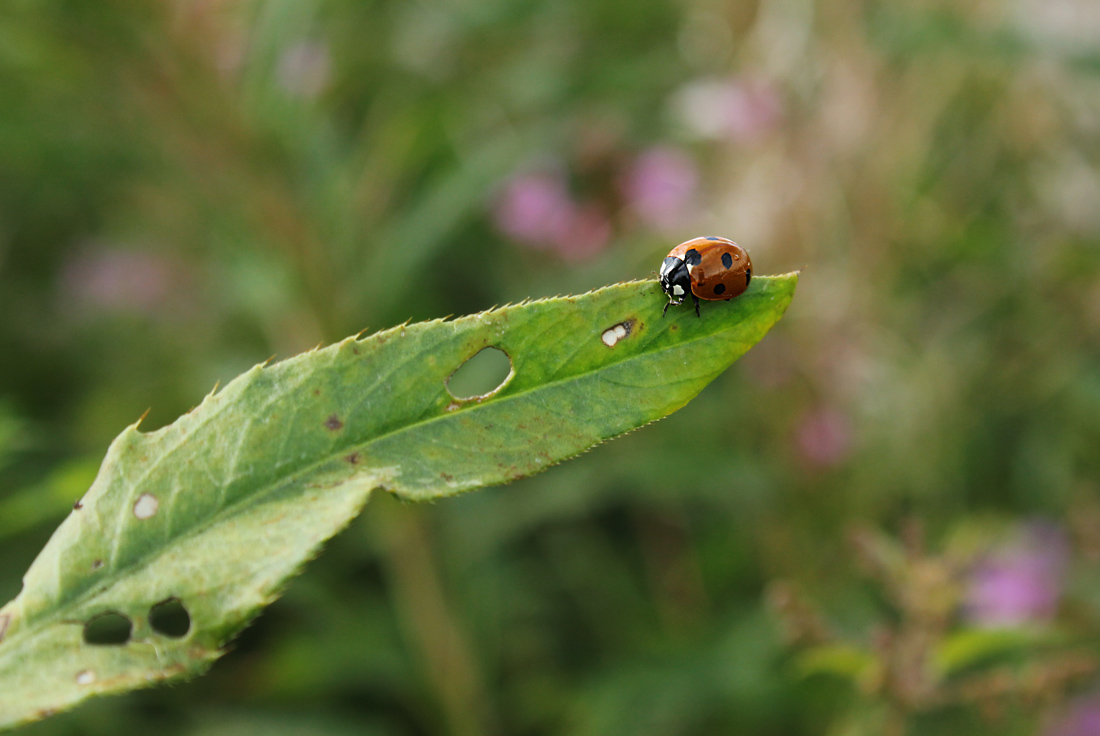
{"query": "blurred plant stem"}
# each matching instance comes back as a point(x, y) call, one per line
point(920, 660)
point(428, 624)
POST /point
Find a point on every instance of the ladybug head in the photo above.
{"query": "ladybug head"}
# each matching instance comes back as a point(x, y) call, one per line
point(675, 279)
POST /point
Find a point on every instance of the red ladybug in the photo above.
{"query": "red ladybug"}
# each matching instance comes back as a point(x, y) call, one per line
point(710, 268)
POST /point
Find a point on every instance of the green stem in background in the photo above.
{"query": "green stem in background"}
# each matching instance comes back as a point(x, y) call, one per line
point(213, 514)
point(430, 629)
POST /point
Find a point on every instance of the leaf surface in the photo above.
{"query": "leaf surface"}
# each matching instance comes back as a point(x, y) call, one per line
point(220, 508)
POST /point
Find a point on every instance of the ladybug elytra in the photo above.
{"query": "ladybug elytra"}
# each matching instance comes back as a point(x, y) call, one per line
point(709, 268)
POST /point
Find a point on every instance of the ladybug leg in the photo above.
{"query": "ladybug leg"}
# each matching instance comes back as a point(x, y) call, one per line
point(667, 305)
point(696, 305)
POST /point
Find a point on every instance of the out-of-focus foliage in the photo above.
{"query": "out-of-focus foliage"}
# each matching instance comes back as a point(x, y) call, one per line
point(885, 518)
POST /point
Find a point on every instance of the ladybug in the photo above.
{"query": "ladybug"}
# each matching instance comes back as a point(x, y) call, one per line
point(710, 268)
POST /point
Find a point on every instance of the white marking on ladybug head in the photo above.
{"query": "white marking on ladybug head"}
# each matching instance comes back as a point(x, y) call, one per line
point(669, 263)
point(677, 290)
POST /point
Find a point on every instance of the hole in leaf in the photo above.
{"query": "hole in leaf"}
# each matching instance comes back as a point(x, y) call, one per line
point(481, 375)
point(170, 618)
point(109, 628)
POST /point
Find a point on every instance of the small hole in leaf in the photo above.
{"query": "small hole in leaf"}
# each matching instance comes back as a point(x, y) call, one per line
point(481, 375)
point(107, 629)
point(170, 618)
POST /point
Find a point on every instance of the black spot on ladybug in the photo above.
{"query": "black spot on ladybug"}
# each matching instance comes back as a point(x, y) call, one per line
point(720, 289)
point(716, 240)
point(748, 276)
point(727, 260)
point(333, 423)
point(692, 257)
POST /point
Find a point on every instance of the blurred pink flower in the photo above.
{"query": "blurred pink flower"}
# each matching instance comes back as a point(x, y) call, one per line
point(740, 109)
point(114, 279)
point(1021, 581)
point(304, 69)
point(537, 210)
point(589, 233)
point(660, 187)
point(824, 437)
point(1082, 718)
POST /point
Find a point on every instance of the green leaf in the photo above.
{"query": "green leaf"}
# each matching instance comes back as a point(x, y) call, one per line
point(842, 660)
point(971, 647)
point(217, 510)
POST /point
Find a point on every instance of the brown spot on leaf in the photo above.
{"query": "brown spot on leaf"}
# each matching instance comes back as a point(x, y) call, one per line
point(353, 458)
point(447, 477)
point(453, 405)
point(333, 423)
point(316, 392)
point(97, 564)
point(77, 506)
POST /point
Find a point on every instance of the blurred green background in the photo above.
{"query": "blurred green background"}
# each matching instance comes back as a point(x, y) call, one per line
point(884, 519)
